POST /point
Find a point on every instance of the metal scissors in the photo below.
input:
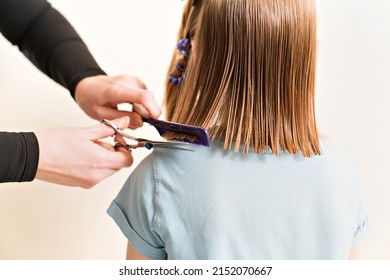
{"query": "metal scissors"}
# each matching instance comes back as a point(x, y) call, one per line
point(144, 143)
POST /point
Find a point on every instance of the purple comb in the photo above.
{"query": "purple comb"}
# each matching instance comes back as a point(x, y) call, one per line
point(165, 126)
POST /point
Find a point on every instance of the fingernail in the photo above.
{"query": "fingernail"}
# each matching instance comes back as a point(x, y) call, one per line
point(136, 122)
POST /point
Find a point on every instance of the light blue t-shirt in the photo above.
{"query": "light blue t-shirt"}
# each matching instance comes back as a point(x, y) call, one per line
point(216, 204)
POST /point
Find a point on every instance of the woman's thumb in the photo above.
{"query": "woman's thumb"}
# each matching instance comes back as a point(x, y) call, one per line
point(103, 130)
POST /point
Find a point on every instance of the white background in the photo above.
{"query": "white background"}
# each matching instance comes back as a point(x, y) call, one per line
point(44, 221)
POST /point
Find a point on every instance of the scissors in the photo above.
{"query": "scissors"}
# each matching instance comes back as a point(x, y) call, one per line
point(144, 143)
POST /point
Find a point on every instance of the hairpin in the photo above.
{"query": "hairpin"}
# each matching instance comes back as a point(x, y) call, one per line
point(177, 77)
point(183, 44)
point(173, 80)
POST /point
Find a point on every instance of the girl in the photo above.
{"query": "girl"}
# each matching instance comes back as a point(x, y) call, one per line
point(268, 187)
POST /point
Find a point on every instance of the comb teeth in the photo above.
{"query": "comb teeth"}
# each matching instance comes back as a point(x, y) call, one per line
point(174, 136)
point(196, 135)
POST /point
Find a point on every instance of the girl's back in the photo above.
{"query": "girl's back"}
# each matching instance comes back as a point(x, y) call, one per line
point(213, 204)
point(246, 73)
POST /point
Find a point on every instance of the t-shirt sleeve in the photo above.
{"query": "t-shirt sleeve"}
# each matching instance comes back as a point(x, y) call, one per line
point(359, 231)
point(361, 213)
point(361, 221)
point(134, 212)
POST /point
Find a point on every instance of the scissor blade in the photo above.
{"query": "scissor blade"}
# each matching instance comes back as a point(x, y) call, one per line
point(171, 146)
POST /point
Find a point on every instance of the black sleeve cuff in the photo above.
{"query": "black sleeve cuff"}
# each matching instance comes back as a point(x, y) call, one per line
point(81, 75)
point(19, 156)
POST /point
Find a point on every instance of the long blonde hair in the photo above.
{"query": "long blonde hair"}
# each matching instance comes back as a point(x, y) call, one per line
point(250, 80)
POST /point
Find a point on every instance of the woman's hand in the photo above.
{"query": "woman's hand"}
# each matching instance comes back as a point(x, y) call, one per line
point(77, 157)
point(99, 97)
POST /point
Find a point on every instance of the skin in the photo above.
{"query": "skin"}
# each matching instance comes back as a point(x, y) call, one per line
point(354, 253)
point(99, 97)
point(132, 254)
point(77, 156)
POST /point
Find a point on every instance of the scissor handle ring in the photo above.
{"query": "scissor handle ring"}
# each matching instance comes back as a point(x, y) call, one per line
point(111, 124)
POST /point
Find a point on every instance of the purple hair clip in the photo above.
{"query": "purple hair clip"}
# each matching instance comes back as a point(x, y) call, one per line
point(184, 45)
point(179, 68)
point(175, 80)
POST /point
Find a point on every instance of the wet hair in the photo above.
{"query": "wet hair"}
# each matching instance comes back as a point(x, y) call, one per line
point(250, 76)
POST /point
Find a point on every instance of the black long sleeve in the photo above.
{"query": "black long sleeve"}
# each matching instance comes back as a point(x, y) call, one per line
point(49, 41)
point(19, 154)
